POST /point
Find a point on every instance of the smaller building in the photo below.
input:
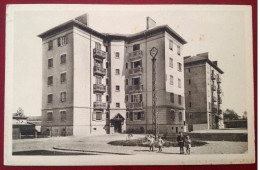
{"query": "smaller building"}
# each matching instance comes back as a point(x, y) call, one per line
point(37, 121)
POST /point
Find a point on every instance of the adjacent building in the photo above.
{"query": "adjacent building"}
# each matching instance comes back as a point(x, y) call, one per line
point(203, 93)
point(97, 83)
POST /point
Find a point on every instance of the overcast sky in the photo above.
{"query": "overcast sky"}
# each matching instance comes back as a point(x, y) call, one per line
point(221, 31)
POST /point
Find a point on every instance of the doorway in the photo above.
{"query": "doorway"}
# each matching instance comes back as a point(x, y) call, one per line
point(118, 126)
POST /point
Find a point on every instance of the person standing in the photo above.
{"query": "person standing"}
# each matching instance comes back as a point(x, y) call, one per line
point(160, 143)
point(188, 144)
point(180, 140)
point(151, 140)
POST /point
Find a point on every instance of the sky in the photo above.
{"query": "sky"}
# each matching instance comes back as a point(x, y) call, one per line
point(219, 30)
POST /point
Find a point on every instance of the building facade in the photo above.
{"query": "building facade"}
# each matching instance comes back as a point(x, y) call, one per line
point(97, 83)
point(203, 93)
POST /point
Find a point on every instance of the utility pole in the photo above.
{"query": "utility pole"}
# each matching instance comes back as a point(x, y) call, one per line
point(153, 53)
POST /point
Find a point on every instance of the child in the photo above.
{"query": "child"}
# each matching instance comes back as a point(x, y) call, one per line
point(160, 143)
point(151, 140)
point(188, 144)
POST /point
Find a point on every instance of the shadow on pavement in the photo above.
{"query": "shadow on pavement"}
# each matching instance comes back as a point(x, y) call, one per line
point(47, 152)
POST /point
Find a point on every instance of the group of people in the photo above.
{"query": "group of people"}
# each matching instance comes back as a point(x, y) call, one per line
point(182, 141)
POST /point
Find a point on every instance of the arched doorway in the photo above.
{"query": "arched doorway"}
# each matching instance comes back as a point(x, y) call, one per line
point(118, 121)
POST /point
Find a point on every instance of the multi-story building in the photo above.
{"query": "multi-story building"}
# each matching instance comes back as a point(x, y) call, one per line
point(96, 83)
point(203, 93)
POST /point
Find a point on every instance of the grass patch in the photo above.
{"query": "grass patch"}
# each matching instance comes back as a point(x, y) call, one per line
point(143, 142)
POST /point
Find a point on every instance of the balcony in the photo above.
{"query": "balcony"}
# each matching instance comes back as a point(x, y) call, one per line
point(99, 70)
point(219, 80)
point(99, 53)
point(137, 105)
point(136, 71)
point(99, 88)
point(213, 76)
point(135, 54)
point(214, 108)
point(219, 90)
point(213, 88)
point(134, 88)
point(219, 100)
point(214, 99)
point(219, 111)
point(99, 105)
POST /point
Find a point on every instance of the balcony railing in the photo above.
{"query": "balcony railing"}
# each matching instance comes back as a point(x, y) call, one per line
point(214, 108)
point(213, 76)
point(99, 105)
point(99, 53)
point(99, 70)
point(214, 99)
point(134, 88)
point(136, 105)
point(136, 54)
point(99, 88)
point(219, 90)
point(219, 80)
point(213, 88)
point(137, 70)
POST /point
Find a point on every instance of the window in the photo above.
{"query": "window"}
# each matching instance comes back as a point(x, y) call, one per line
point(172, 97)
point(49, 116)
point(107, 115)
point(107, 81)
point(117, 55)
point(189, 81)
point(136, 47)
point(50, 81)
point(63, 77)
point(63, 96)
point(178, 50)
point(138, 115)
point(170, 45)
point(117, 88)
point(171, 63)
point(190, 115)
point(98, 115)
point(127, 115)
point(63, 59)
point(190, 104)
point(62, 41)
point(179, 99)
point(98, 97)
point(179, 83)
point(107, 98)
point(179, 67)
point(50, 98)
point(63, 115)
point(98, 45)
point(50, 63)
point(171, 80)
point(180, 116)
point(126, 98)
point(50, 45)
point(117, 71)
point(126, 81)
point(126, 65)
point(189, 92)
point(106, 64)
point(98, 80)
point(137, 98)
point(189, 70)
point(118, 105)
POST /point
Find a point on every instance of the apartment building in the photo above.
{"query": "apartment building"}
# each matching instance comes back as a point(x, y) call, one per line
point(97, 83)
point(203, 93)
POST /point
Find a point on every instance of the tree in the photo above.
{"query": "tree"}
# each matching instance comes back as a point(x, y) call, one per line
point(245, 115)
point(231, 115)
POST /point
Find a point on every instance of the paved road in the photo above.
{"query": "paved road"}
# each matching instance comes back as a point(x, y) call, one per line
point(98, 145)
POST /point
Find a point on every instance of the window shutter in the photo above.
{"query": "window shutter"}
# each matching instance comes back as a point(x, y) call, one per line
point(94, 116)
point(131, 116)
point(142, 116)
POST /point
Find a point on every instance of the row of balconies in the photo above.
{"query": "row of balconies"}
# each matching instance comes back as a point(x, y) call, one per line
point(134, 88)
point(214, 77)
point(215, 109)
point(136, 71)
point(214, 99)
point(131, 105)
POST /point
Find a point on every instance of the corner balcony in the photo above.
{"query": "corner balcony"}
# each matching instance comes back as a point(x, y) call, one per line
point(214, 108)
point(132, 106)
point(134, 88)
point(136, 54)
point(136, 71)
point(219, 90)
point(219, 80)
point(100, 88)
point(213, 76)
point(99, 105)
point(213, 88)
point(99, 53)
point(99, 70)
point(214, 99)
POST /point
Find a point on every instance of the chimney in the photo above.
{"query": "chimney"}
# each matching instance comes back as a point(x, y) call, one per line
point(150, 23)
point(83, 19)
